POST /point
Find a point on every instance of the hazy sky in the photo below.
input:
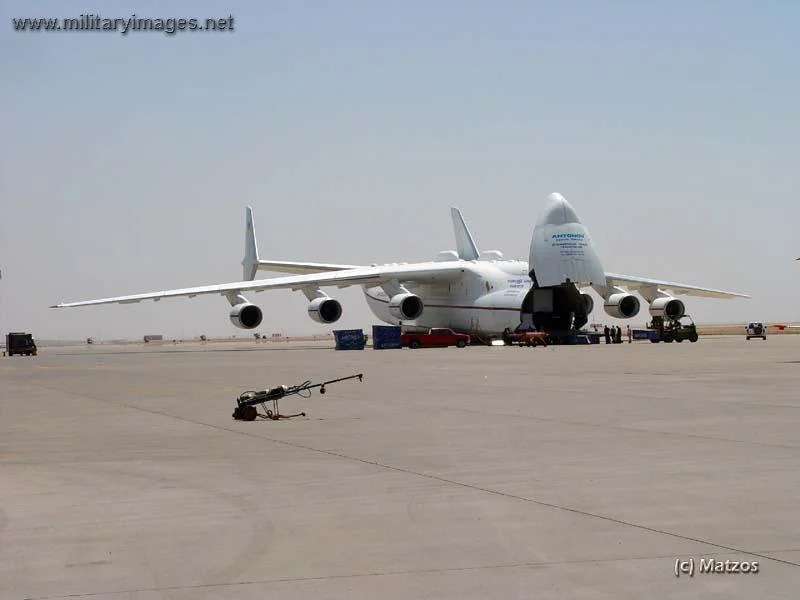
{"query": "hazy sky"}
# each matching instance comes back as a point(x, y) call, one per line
point(352, 127)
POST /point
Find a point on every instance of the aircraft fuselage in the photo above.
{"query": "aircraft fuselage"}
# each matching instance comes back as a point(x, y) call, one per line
point(486, 300)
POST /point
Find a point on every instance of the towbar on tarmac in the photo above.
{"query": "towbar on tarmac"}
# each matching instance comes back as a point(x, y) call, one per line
point(246, 402)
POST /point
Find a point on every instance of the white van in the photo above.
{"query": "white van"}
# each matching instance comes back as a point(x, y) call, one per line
point(756, 330)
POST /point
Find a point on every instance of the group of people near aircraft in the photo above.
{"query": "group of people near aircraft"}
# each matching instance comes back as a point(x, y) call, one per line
point(613, 335)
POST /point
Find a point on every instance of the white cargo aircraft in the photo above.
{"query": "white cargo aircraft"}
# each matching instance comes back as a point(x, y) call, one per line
point(470, 291)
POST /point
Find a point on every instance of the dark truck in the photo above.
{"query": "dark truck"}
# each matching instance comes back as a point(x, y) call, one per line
point(669, 330)
point(677, 330)
point(20, 343)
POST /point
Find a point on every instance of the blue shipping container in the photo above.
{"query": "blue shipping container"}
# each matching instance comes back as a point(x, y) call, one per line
point(646, 334)
point(349, 339)
point(386, 337)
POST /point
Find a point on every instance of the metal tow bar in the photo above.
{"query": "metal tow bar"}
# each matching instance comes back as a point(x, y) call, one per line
point(246, 402)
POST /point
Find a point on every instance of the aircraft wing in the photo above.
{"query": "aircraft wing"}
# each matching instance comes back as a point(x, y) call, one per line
point(410, 273)
point(651, 287)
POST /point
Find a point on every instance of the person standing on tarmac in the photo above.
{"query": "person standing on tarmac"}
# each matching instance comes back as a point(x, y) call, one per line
point(619, 335)
point(629, 334)
point(607, 334)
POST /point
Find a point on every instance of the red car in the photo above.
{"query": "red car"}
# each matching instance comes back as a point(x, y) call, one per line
point(438, 337)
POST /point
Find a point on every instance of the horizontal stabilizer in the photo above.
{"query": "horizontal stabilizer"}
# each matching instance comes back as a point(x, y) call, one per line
point(252, 263)
point(301, 268)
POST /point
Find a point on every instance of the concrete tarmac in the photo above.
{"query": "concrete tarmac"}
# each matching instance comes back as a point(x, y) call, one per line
point(561, 472)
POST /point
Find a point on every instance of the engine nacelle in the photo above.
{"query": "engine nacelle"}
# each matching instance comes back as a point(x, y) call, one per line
point(588, 303)
point(406, 307)
point(246, 316)
point(325, 310)
point(621, 306)
point(667, 307)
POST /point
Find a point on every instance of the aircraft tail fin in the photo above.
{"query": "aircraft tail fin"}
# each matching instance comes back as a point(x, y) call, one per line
point(467, 250)
point(250, 261)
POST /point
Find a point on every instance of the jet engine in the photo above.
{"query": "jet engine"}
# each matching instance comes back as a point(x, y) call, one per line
point(325, 310)
point(588, 303)
point(621, 305)
point(668, 307)
point(246, 315)
point(406, 307)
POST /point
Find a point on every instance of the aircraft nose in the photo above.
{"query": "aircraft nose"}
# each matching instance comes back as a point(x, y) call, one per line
point(558, 211)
